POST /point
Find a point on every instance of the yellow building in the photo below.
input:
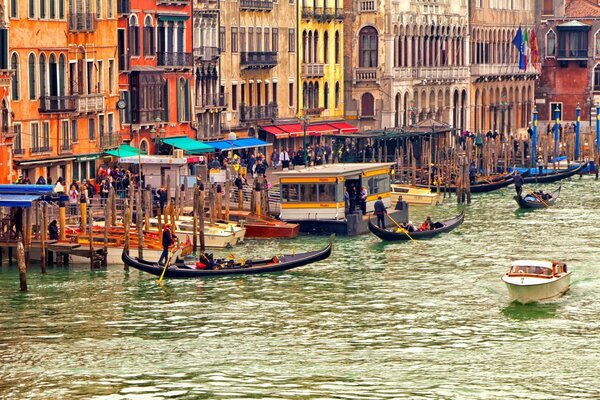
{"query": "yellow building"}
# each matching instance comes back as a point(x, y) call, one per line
point(321, 59)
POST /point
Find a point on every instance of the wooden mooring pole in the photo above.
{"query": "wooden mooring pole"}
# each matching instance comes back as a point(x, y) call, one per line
point(22, 265)
point(43, 236)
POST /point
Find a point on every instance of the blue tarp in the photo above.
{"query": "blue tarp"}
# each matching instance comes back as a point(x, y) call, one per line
point(22, 195)
point(238, 144)
point(17, 200)
point(26, 189)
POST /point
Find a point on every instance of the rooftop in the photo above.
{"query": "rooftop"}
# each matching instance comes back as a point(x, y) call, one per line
point(333, 170)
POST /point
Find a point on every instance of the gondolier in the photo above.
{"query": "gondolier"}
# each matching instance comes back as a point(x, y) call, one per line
point(167, 240)
point(380, 211)
point(518, 179)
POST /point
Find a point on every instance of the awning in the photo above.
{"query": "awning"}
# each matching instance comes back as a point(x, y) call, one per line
point(17, 200)
point(45, 161)
point(22, 195)
point(276, 131)
point(124, 150)
point(322, 129)
point(294, 130)
point(239, 144)
point(189, 145)
point(344, 127)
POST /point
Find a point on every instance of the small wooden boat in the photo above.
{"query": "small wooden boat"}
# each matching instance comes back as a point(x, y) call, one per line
point(557, 176)
point(263, 226)
point(231, 267)
point(478, 187)
point(535, 200)
point(529, 280)
point(415, 195)
point(387, 235)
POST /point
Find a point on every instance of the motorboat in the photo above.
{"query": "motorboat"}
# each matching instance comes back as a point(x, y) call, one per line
point(530, 280)
point(215, 235)
point(415, 195)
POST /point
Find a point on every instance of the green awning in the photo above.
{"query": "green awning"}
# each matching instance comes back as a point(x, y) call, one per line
point(189, 145)
point(173, 17)
point(124, 150)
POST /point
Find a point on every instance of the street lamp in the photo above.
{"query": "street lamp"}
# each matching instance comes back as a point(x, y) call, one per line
point(304, 119)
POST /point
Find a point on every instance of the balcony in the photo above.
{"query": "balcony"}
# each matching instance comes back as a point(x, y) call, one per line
point(367, 6)
point(567, 54)
point(258, 59)
point(339, 14)
point(206, 53)
point(307, 12)
point(211, 102)
point(123, 7)
point(41, 149)
point(82, 22)
point(257, 5)
point(254, 113)
point(110, 140)
point(173, 2)
point(18, 152)
point(432, 73)
point(58, 104)
point(91, 103)
point(174, 59)
point(311, 70)
point(365, 75)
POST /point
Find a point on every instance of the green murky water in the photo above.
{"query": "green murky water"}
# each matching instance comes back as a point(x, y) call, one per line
point(425, 320)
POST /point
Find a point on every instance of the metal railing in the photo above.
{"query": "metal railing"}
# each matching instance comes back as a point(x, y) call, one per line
point(207, 53)
point(261, 5)
point(572, 54)
point(252, 113)
point(41, 149)
point(110, 140)
point(91, 103)
point(18, 151)
point(212, 101)
point(54, 104)
point(259, 59)
point(174, 59)
point(82, 22)
point(313, 70)
point(307, 12)
point(66, 147)
point(366, 74)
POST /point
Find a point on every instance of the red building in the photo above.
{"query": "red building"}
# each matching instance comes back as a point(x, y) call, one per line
point(569, 40)
point(156, 71)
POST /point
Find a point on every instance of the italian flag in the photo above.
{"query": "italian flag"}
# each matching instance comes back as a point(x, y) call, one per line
point(526, 48)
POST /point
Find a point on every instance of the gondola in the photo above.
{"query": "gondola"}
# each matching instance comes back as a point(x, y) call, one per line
point(386, 235)
point(534, 202)
point(557, 176)
point(477, 187)
point(230, 267)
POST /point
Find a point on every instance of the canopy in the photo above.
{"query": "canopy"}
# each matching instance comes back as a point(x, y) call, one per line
point(17, 200)
point(239, 144)
point(124, 150)
point(22, 195)
point(189, 145)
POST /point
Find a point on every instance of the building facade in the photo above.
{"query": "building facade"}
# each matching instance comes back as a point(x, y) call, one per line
point(406, 62)
point(63, 86)
point(155, 72)
point(502, 94)
point(6, 163)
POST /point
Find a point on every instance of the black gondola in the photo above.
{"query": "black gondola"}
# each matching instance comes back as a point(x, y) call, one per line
point(386, 235)
point(557, 176)
point(477, 187)
point(535, 202)
point(227, 267)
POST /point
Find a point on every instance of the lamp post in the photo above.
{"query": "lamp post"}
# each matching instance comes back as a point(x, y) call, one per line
point(304, 119)
point(534, 137)
point(577, 131)
point(556, 122)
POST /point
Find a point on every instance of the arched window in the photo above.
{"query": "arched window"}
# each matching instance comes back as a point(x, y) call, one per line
point(16, 81)
point(305, 94)
point(42, 74)
point(316, 47)
point(597, 78)
point(32, 78)
point(62, 74)
point(183, 100)
point(367, 105)
point(144, 145)
point(148, 36)
point(337, 95)
point(325, 47)
point(316, 96)
point(597, 44)
point(337, 47)
point(367, 47)
point(326, 96)
point(304, 46)
point(134, 36)
point(551, 44)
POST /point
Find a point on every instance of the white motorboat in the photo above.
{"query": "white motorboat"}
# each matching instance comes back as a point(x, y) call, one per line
point(186, 223)
point(218, 236)
point(529, 280)
point(414, 195)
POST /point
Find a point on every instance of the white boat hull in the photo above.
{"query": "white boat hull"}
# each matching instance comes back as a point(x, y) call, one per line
point(417, 196)
point(521, 291)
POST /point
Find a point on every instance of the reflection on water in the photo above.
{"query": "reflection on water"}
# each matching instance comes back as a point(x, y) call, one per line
point(415, 320)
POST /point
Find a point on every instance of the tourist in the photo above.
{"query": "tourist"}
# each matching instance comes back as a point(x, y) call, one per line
point(518, 179)
point(353, 195)
point(362, 200)
point(284, 157)
point(472, 173)
point(59, 188)
point(40, 180)
point(162, 198)
point(381, 212)
point(73, 199)
point(168, 238)
point(540, 165)
point(275, 159)
point(426, 225)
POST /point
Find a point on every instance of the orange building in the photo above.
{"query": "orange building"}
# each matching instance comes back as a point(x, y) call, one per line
point(64, 86)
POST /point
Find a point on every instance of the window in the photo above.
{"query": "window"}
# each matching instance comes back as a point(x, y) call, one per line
point(183, 100)
point(243, 93)
point(597, 78)
point(275, 40)
point(326, 47)
point(148, 36)
point(267, 38)
point(34, 128)
point(553, 107)
point(290, 193)
point(291, 94)
point(337, 95)
point(548, 7)
point(110, 11)
point(234, 39)
point(98, 9)
point(134, 36)
point(111, 123)
point(326, 96)
point(92, 128)
point(291, 40)
point(65, 137)
point(243, 40)
point(258, 39)
point(4, 49)
point(18, 140)
point(551, 44)
point(597, 37)
point(378, 184)
point(274, 92)
point(52, 9)
point(222, 44)
point(74, 134)
point(100, 76)
point(367, 105)
point(111, 76)
point(42, 9)
point(337, 47)
point(101, 130)
point(61, 9)
point(250, 39)
point(31, 8)
point(32, 79)
point(367, 47)
point(14, 8)
point(42, 74)
point(15, 84)
point(124, 115)
point(234, 97)
point(46, 135)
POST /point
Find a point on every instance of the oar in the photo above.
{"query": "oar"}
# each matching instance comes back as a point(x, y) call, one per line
point(537, 197)
point(166, 266)
point(401, 228)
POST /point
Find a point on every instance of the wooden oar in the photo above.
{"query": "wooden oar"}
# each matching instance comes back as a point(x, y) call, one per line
point(401, 228)
point(537, 197)
point(173, 254)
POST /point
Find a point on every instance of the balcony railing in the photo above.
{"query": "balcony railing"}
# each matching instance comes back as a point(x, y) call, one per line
point(82, 22)
point(431, 73)
point(367, 6)
point(110, 140)
point(18, 151)
point(57, 104)
point(260, 5)
point(41, 149)
point(212, 101)
point(91, 103)
point(498, 69)
point(581, 54)
point(173, 2)
point(253, 113)
point(312, 70)
point(147, 117)
point(366, 74)
point(339, 14)
point(258, 59)
point(206, 53)
point(307, 12)
point(123, 7)
point(174, 59)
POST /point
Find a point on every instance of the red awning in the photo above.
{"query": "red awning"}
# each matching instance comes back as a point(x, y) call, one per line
point(323, 129)
point(294, 130)
point(274, 130)
point(344, 127)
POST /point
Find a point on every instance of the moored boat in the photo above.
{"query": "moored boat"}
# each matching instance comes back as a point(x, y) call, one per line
point(478, 187)
point(230, 267)
point(557, 176)
point(530, 280)
point(536, 200)
point(415, 195)
point(263, 226)
point(403, 235)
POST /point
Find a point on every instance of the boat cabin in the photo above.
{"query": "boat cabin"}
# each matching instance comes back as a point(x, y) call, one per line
point(540, 269)
point(317, 193)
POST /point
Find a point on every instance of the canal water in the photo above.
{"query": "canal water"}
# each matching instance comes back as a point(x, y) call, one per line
point(376, 321)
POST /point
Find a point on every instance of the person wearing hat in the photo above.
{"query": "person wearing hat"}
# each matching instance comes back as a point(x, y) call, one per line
point(380, 211)
point(168, 238)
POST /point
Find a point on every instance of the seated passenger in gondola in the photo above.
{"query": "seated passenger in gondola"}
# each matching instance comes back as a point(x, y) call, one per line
point(408, 226)
point(426, 225)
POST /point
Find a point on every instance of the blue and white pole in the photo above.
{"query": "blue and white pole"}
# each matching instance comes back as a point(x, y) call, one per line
point(534, 137)
point(577, 132)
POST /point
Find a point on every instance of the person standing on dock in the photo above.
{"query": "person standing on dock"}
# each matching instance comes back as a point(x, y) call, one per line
point(380, 211)
point(518, 183)
point(284, 157)
point(362, 200)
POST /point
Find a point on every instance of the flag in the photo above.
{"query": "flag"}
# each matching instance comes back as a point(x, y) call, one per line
point(518, 42)
point(535, 54)
point(526, 48)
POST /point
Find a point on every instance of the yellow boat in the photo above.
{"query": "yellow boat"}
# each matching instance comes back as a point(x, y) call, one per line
point(415, 196)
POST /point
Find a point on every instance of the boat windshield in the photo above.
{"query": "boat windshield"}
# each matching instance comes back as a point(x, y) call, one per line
point(527, 270)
